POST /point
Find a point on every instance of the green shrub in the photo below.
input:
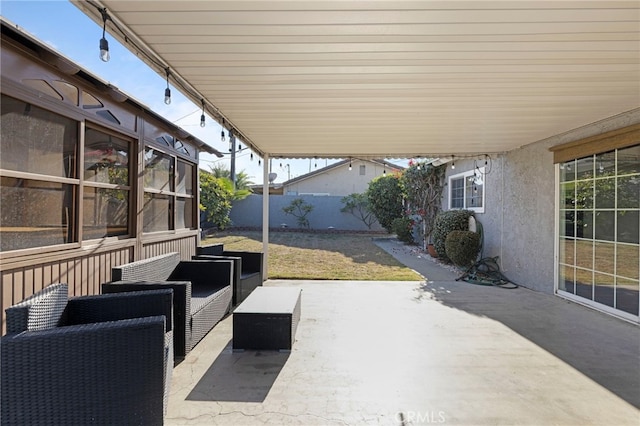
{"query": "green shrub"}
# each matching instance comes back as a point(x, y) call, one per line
point(402, 227)
point(462, 247)
point(215, 199)
point(385, 199)
point(447, 221)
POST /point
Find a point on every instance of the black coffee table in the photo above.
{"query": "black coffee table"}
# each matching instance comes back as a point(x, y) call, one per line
point(267, 319)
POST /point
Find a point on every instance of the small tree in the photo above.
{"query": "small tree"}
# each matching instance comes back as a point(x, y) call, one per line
point(422, 185)
point(385, 199)
point(215, 199)
point(358, 205)
point(300, 209)
point(243, 182)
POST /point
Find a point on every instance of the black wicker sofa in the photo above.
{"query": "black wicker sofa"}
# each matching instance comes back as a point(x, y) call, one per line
point(248, 268)
point(202, 292)
point(102, 360)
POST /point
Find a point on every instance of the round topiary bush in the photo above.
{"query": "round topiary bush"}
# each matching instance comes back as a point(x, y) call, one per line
point(447, 221)
point(462, 247)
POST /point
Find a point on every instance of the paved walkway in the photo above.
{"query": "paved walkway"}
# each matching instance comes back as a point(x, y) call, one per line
point(437, 351)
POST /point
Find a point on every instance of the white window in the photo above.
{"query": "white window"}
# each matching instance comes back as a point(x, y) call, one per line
point(466, 190)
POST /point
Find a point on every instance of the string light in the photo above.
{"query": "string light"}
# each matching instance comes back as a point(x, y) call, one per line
point(453, 163)
point(350, 168)
point(232, 140)
point(202, 123)
point(222, 137)
point(104, 44)
point(167, 91)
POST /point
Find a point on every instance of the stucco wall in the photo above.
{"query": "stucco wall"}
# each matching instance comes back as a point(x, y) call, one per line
point(338, 181)
point(326, 213)
point(519, 218)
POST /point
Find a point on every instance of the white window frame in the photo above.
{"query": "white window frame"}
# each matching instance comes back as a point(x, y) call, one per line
point(465, 175)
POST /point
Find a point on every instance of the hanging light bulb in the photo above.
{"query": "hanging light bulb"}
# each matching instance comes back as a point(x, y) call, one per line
point(167, 91)
point(453, 163)
point(104, 44)
point(251, 156)
point(222, 137)
point(259, 162)
point(350, 168)
point(384, 170)
point(202, 123)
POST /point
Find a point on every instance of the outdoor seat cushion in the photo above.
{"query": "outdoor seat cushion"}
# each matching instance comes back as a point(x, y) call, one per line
point(201, 298)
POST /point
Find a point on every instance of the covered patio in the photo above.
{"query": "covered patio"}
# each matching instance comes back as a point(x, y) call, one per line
point(462, 81)
point(515, 96)
point(437, 351)
point(398, 79)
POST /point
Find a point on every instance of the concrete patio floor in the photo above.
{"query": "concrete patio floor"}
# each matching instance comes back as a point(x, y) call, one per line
point(437, 351)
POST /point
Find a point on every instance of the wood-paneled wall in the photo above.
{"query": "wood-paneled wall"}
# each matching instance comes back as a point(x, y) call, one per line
point(83, 269)
point(186, 246)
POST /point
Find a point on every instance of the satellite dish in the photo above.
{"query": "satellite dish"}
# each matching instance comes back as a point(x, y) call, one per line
point(272, 177)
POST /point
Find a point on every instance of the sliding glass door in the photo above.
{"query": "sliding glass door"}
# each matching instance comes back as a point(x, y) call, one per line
point(599, 232)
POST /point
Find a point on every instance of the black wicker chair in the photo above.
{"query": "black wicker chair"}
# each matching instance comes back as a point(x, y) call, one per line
point(248, 268)
point(202, 292)
point(101, 360)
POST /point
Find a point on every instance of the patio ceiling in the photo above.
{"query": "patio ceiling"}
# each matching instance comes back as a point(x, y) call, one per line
point(394, 79)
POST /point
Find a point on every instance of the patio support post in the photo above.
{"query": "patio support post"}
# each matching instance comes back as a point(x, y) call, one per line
point(265, 215)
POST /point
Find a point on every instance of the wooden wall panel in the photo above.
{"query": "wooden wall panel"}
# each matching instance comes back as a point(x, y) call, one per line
point(186, 246)
point(82, 270)
point(83, 273)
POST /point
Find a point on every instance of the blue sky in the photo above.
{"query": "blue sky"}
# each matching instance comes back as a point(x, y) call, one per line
point(62, 26)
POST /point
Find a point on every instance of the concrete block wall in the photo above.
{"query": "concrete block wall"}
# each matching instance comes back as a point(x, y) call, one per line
point(326, 213)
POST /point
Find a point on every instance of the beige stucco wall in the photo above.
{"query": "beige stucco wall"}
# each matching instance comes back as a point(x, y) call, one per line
point(338, 181)
point(519, 218)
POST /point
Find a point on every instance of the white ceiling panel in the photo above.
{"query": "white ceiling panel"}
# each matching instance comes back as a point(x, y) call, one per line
point(390, 78)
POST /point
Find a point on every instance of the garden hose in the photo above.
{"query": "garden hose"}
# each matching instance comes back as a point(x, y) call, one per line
point(487, 272)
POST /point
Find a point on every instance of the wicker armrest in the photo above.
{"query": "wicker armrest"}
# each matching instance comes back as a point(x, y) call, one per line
point(110, 373)
point(181, 306)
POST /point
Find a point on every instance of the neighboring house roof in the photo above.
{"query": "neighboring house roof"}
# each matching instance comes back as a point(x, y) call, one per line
point(390, 166)
point(274, 188)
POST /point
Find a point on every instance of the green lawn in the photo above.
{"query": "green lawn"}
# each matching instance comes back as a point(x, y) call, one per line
point(322, 256)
